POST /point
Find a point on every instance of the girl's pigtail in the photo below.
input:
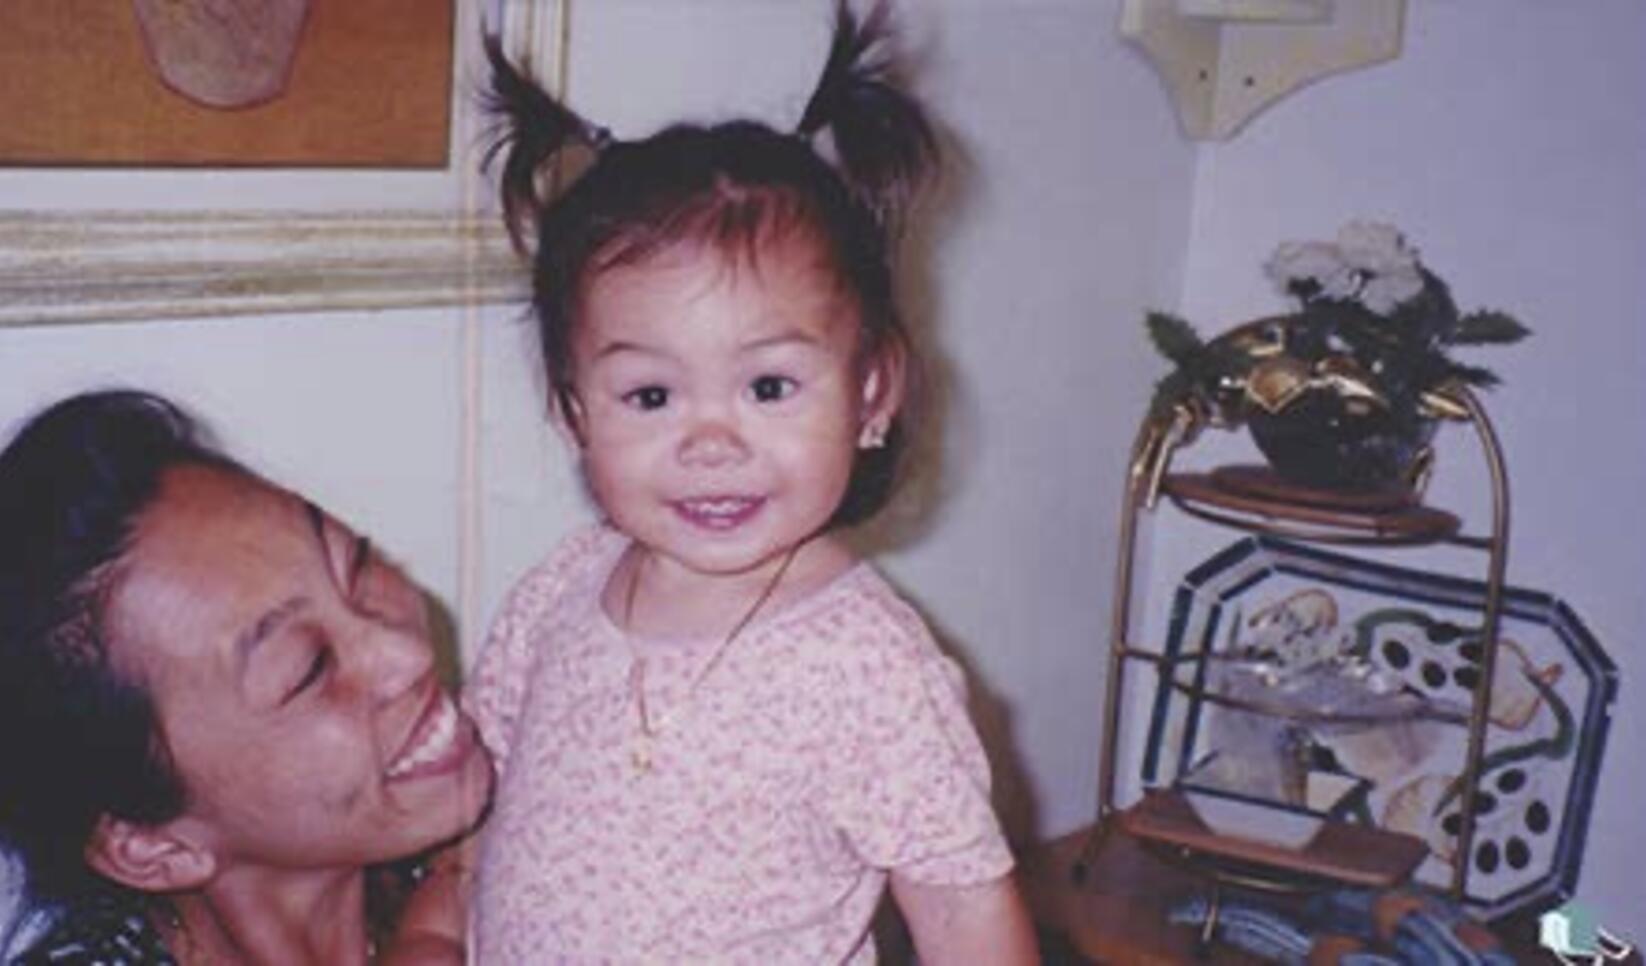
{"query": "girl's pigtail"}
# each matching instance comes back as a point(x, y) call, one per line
point(532, 128)
point(883, 142)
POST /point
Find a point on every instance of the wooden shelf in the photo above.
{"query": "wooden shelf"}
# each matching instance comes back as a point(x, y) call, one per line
point(1356, 855)
point(1253, 498)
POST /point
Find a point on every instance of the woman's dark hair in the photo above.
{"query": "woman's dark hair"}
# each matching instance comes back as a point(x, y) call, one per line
point(77, 740)
point(731, 185)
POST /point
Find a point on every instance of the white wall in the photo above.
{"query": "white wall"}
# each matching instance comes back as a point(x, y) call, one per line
point(1067, 209)
point(1509, 142)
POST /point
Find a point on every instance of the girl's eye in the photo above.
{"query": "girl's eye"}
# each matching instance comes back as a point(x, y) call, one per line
point(647, 397)
point(312, 675)
point(772, 388)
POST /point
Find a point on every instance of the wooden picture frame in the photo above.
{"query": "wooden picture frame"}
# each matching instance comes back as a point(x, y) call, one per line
point(122, 245)
point(228, 83)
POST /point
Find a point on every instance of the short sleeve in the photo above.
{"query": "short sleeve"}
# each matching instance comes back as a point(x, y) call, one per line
point(496, 687)
point(908, 781)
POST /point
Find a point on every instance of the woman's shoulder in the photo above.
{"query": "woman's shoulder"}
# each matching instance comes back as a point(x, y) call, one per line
point(104, 930)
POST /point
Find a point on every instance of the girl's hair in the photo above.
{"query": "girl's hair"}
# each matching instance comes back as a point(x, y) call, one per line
point(732, 186)
point(79, 741)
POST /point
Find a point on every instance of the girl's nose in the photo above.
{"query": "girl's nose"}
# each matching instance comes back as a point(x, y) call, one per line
point(712, 442)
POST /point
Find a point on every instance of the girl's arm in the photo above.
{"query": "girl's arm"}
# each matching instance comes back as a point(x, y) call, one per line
point(433, 924)
point(985, 923)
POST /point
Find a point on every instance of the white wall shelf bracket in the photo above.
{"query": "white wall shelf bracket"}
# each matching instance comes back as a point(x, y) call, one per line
point(1223, 61)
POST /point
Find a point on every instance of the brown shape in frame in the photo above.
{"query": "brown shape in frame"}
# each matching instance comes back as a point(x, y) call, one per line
point(371, 87)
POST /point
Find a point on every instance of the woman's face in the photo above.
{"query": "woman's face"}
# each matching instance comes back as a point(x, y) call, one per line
point(293, 679)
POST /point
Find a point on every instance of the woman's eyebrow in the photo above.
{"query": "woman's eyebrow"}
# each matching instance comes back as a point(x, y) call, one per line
point(272, 619)
point(361, 555)
point(317, 520)
point(264, 627)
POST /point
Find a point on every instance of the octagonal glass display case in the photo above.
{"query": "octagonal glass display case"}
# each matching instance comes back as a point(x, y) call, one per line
point(1299, 686)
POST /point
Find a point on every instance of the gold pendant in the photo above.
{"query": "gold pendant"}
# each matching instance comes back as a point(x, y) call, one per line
point(641, 757)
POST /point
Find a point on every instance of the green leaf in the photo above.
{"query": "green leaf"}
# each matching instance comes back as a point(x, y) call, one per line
point(1488, 328)
point(1473, 375)
point(1168, 392)
point(1174, 338)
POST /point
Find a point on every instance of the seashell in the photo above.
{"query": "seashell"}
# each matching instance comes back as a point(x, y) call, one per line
point(1387, 752)
point(1411, 808)
point(223, 53)
point(1515, 699)
point(1305, 611)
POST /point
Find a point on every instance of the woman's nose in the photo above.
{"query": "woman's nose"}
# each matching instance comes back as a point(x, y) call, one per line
point(399, 658)
point(712, 441)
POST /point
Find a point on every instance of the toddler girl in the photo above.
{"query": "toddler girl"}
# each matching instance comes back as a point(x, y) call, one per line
point(717, 733)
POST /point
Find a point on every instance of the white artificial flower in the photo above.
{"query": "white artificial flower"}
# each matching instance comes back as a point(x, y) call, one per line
point(1320, 262)
point(1375, 247)
point(1386, 290)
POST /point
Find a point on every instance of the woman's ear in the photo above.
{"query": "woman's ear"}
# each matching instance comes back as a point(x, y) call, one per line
point(151, 858)
point(885, 380)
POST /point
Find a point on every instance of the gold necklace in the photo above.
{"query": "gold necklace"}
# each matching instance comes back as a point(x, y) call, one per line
point(650, 728)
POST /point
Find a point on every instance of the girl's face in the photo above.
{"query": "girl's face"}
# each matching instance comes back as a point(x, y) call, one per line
point(722, 400)
point(292, 675)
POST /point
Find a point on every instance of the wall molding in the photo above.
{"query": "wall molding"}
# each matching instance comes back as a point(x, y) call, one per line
point(59, 267)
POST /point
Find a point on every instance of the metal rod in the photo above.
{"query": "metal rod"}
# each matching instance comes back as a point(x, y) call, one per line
point(1120, 622)
point(1497, 566)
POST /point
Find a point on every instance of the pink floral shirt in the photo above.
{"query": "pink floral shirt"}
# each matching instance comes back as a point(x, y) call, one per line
point(828, 746)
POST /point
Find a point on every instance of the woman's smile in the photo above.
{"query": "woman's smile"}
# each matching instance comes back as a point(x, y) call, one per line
point(440, 742)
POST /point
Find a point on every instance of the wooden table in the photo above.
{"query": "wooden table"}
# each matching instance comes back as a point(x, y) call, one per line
point(1118, 914)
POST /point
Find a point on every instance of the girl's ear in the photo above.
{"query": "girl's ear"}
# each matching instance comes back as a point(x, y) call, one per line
point(885, 380)
point(566, 413)
point(151, 858)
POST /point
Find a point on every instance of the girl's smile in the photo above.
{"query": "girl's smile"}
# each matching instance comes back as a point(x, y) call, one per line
point(719, 513)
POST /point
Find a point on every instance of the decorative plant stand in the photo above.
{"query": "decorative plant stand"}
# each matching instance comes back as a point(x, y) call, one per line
point(1322, 719)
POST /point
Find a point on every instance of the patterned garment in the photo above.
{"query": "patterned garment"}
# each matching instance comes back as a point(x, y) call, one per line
point(106, 930)
point(829, 746)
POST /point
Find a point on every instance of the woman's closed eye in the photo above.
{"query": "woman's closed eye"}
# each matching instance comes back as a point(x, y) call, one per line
point(313, 673)
point(647, 398)
point(772, 388)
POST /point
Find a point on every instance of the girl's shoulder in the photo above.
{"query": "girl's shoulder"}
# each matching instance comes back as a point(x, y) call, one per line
point(578, 565)
point(860, 644)
point(859, 611)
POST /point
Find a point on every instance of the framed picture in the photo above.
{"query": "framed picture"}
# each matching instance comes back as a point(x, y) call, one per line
point(226, 82)
point(345, 176)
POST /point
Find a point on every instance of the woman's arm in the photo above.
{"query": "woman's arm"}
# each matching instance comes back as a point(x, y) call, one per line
point(985, 923)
